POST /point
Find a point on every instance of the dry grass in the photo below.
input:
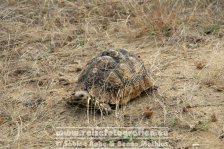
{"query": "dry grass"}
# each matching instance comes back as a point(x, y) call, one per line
point(45, 43)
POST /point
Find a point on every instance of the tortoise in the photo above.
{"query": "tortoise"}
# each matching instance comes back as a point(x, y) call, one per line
point(113, 77)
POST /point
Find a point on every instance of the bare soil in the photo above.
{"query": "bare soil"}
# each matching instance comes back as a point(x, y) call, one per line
point(40, 63)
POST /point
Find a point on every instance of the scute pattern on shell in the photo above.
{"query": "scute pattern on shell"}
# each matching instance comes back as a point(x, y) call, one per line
point(112, 70)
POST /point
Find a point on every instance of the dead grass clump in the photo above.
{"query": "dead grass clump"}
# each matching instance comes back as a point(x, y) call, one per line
point(64, 24)
point(212, 75)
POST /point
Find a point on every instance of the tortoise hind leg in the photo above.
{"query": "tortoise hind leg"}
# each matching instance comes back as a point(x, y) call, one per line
point(152, 89)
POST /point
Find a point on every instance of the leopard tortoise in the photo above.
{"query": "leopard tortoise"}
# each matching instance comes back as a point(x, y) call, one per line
point(113, 77)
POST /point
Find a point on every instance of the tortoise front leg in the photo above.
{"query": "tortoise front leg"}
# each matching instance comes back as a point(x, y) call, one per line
point(104, 108)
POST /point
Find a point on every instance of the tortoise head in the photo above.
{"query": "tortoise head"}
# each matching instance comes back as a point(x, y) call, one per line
point(80, 98)
point(83, 98)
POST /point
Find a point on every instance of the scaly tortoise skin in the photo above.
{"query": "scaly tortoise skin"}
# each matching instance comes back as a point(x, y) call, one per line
point(112, 77)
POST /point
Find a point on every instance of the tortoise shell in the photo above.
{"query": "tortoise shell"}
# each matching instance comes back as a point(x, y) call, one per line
point(114, 77)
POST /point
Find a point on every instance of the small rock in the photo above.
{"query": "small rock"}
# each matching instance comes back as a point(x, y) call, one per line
point(218, 88)
point(78, 69)
point(221, 136)
point(147, 112)
point(213, 118)
point(200, 65)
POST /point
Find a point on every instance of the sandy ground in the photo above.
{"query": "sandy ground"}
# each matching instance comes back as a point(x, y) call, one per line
point(40, 64)
point(192, 107)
